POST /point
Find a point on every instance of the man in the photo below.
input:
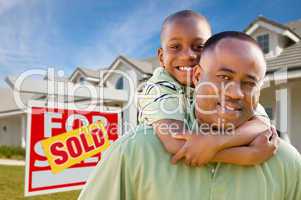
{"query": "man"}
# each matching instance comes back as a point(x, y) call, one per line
point(231, 72)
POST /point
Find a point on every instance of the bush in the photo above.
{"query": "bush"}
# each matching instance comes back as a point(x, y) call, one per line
point(12, 152)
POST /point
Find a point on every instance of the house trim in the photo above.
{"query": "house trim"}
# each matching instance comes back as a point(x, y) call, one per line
point(272, 26)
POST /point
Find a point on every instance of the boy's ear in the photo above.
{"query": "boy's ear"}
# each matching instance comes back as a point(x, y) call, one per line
point(160, 56)
point(197, 71)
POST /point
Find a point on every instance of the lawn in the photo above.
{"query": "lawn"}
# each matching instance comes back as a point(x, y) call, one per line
point(12, 186)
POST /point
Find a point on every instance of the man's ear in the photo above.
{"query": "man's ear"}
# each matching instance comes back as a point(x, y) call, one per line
point(197, 71)
point(160, 56)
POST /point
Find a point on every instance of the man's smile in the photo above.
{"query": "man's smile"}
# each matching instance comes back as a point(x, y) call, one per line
point(229, 107)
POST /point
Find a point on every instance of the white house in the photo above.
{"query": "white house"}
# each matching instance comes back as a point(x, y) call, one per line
point(280, 96)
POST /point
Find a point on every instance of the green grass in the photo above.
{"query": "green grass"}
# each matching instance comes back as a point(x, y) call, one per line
point(9, 152)
point(12, 186)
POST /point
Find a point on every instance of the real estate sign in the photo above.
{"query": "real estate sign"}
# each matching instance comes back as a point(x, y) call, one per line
point(64, 145)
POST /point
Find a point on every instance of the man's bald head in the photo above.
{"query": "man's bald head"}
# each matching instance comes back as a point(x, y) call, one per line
point(214, 43)
point(232, 69)
point(182, 16)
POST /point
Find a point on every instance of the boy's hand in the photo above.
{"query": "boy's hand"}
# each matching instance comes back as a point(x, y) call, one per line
point(264, 146)
point(171, 144)
point(197, 150)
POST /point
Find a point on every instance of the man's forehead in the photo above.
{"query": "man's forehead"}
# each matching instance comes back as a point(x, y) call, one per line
point(237, 55)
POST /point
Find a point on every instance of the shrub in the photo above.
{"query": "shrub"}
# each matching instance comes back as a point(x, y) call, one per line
point(12, 152)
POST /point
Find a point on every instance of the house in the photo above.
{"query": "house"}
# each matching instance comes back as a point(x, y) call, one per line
point(13, 118)
point(280, 97)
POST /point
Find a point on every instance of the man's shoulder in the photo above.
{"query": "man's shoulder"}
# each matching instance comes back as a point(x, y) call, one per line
point(288, 154)
point(138, 139)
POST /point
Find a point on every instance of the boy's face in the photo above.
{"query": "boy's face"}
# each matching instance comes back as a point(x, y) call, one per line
point(230, 77)
point(182, 43)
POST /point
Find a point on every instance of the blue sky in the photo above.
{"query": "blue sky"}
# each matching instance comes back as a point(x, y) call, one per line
point(68, 33)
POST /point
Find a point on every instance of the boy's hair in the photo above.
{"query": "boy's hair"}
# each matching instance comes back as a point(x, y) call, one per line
point(179, 15)
point(215, 39)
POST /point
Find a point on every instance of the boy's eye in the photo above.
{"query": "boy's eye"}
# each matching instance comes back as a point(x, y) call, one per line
point(201, 46)
point(174, 46)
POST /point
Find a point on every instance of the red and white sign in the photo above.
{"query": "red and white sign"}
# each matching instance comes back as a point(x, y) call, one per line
point(45, 122)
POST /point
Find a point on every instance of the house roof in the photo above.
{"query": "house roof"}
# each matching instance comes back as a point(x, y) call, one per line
point(290, 57)
point(7, 100)
point(154, 62)
point(293, 35)
point(295, 26)
point(142, 65)
point(91, 73)
point(146, 65)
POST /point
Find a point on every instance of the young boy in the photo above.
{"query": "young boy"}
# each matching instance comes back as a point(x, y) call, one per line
point(166, 100)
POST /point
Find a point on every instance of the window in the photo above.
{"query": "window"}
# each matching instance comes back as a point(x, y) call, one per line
point(269, 111)
point(119, 84)
point(263, 41)
point(82, 79)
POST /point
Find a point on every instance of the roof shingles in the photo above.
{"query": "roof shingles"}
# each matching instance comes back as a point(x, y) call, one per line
point(290, 58)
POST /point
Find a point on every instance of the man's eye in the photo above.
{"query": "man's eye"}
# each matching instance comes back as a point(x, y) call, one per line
point(249, 84)
point(224, 77)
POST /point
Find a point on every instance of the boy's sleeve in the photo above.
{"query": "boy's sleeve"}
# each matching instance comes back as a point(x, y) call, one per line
point(161, 101)
point(260, 111)
point(110, 179)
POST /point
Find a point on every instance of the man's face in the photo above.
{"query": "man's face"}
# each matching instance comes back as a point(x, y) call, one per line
point(230, 77)
point(182, 43)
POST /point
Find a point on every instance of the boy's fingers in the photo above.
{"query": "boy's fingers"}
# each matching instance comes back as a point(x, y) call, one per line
point(273, 143)
point(181, 136)
point(274, 139)
point(194, 163)
point(274, 130)
point(180, 154)
point(263, 138)
point(188, 162)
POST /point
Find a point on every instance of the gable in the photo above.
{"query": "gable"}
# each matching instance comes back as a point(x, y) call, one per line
point(272, 26)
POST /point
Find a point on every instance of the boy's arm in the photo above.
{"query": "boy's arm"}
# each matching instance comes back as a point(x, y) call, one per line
point(173, 135)
point(199, 149)
point(165, 129)
point(260, 150)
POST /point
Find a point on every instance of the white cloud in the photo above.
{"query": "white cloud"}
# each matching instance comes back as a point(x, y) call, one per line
point(131, 35)
point(6, 5)
point(26, 31)
point(30, 37)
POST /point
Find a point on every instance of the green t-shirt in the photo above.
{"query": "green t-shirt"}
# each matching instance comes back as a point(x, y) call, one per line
point(138, 167)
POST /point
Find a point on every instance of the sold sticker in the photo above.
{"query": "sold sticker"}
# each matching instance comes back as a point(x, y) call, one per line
point(67, 149)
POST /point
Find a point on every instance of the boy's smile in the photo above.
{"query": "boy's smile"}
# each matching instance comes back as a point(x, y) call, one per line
point(182, 42)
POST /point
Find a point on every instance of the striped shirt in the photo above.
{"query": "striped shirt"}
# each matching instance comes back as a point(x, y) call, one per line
point(164, 98)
